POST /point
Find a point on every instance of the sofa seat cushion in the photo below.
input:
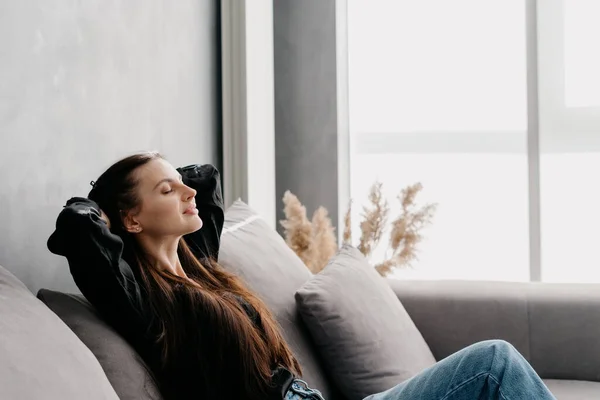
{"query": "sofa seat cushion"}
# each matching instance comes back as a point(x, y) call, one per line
point(573, 390)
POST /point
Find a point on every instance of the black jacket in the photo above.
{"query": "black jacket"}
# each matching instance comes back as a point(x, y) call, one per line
point(112, 283)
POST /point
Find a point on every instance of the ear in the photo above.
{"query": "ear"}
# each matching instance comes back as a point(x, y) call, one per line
point(130, 222)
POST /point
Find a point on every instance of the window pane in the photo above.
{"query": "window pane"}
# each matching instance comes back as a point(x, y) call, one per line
point(570, 200)
point(569, 145)
point(436, 65)
point(435, 75)
point(582, 53)
point(479, 230)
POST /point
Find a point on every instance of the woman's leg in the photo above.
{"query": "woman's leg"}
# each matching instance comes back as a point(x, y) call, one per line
point(488, 370)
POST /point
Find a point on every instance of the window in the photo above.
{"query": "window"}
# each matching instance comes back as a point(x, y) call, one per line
point(441, 97)
point(569, 113)
point(581, 60)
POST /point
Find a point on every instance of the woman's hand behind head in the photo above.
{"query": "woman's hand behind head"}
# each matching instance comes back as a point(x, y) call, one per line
point(105, 218)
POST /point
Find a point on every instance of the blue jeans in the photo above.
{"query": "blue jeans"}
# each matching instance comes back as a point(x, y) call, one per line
point(488, 370)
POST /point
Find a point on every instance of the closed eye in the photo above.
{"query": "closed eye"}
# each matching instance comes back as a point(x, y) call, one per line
point(168, 191)
point(168, 180)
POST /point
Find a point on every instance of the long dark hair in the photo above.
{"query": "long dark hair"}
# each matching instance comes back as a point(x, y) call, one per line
point(214, 294)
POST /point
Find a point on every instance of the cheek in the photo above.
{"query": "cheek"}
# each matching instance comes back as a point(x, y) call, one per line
point(162, 211)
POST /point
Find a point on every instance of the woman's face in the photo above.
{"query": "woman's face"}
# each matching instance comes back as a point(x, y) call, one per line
point(166, 206)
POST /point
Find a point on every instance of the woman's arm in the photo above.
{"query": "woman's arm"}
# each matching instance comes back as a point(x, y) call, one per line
point(96, 264)
point(205, 179)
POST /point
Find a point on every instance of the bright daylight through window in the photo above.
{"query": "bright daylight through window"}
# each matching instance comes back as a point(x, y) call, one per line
point(438, 94)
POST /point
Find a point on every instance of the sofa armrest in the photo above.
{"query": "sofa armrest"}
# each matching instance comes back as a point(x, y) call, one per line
point(555, 326)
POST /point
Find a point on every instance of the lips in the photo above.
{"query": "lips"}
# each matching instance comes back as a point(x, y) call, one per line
point(191, 210)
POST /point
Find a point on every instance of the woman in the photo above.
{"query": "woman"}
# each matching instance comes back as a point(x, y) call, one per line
point(142, 248)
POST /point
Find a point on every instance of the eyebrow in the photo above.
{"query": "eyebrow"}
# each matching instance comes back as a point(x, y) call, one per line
point(166, 180)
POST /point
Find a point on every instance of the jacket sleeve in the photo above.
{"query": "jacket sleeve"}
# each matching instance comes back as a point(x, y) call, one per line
point(95, 260)
point(205, 179)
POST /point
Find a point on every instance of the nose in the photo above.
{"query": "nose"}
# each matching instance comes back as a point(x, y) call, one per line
point(189, 193)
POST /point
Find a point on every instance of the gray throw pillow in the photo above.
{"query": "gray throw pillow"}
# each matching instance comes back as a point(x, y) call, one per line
point(40, 358)
point(125, 369)
point(256, 252)
point(363, 332)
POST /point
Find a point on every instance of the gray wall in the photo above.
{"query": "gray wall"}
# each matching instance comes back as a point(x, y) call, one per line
point(83, 83)
point(305, 103)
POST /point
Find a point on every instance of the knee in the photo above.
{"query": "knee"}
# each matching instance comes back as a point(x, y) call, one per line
point(492, 353)
point(498, 349)
point(500, 345)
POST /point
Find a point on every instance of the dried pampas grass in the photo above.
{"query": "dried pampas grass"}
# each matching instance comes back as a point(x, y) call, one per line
point(324, 242)
point(297, 228)
point(347, 238)
point(405, 234)
point(374, 219)
point(315, 241)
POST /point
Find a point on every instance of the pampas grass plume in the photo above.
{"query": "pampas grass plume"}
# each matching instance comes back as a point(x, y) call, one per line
point(324, 242)
point(297, 228)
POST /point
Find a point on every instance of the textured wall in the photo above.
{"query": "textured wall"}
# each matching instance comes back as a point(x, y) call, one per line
point(83, 84)
point(305, 103)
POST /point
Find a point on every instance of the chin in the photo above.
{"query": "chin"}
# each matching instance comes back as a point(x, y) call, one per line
point(196, 225)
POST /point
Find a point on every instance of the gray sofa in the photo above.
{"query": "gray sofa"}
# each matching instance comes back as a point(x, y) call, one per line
point(54, 346)
point(555, 326)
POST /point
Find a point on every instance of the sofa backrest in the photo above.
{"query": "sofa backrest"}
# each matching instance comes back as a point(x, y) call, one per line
point(259, 256)
point(555, 326)
point(40, 357)
point(125, 369)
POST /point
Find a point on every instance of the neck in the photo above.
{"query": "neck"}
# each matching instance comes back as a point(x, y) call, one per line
point(163, 252)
